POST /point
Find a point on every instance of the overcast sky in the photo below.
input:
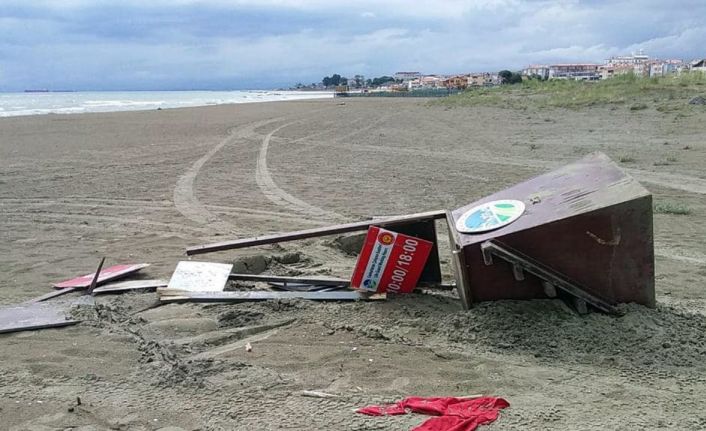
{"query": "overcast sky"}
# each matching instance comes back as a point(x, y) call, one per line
point(236, 44)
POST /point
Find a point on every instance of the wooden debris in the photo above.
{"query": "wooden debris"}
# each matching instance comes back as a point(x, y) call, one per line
point(40, 315)
point(125, 286)
point(94, 281)
point(107, 274)
point(173, 295)
point(286, 279)
point(198, 277)
point(316, 232)
point(53, 294)
point(303, 287)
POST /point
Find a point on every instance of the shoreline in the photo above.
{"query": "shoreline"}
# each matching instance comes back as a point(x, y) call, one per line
point(22, 104)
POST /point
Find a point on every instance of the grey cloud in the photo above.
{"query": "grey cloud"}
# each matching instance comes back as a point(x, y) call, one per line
point(219, 44)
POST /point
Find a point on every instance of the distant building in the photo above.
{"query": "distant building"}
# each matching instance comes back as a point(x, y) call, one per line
point(639, 63)
point(575, 71)
point(698, 65)
point(607, 71)
point(425, 82)
point(407, 76)
point(633, 59)
point(432, 81)
point(666, 67)
point(536, 70)
point(458, 81)
point(483, 79)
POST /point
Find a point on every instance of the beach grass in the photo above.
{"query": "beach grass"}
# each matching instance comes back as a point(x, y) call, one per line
point(666, 94)
point(671, 208)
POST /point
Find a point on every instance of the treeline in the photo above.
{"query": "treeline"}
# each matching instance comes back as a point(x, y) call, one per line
point(507, 77)
point(358, 81)
point(334, 80)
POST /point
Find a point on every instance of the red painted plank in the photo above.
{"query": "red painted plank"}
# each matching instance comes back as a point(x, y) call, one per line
point(106, 274)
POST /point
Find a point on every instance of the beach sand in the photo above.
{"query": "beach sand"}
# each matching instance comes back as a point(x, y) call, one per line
point(142, 186)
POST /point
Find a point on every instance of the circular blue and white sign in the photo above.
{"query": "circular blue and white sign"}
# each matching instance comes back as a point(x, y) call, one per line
point(490, 215)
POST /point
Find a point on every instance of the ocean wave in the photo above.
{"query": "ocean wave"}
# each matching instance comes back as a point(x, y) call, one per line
point(117, 103)
point(18, 104)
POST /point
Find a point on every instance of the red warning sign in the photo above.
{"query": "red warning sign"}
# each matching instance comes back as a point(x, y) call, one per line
point(390, 262)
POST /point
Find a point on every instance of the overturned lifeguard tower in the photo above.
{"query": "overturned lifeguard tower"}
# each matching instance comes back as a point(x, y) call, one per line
point(585, 234)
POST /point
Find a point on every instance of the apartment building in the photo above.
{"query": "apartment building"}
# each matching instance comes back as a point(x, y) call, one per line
point(576, 71)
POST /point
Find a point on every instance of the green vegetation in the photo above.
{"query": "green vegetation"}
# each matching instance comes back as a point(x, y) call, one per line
point(668, 93)
point(626, 159)
point(671, 208)
point(381, 80)
point(333, 80)
point(357, 81)
point(507, 77)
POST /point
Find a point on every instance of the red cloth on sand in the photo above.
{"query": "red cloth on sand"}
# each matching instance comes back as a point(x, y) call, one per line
point(452, 414)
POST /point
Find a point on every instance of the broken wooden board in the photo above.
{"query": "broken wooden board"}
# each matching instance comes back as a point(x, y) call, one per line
point(40, 315)
point(125, 286)
point(247, 296)
point(308, 284)
point(386, 222)
point(107, 274)
point(53, 294)
point(458, 263)
point(94, 280)
point(303, 287)
point(198, 277)
point(266, 278)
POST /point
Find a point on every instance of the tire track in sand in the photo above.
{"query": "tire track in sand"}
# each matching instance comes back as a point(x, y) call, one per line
point(675, 181)
point(280, 197)
point(184, 199)
point(685, 183)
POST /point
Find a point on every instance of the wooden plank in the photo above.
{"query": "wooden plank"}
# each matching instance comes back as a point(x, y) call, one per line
point(94, 281)
point(458, 260)
point(300, 287)
point(316, 232)
point(287, 279)
point(107, 274)
point(53, 294)
point(39, 315)
point(168, 295)
point(323, 281)
point(124, 286)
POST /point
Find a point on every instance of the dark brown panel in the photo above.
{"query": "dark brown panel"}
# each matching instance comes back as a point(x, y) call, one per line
point(589, 221)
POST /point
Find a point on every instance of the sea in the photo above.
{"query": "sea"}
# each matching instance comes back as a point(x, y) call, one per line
point(38, 103)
